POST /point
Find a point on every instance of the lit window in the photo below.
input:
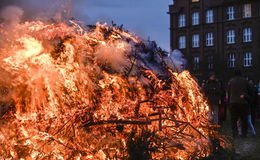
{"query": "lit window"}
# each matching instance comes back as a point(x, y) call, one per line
point(209, 39)
point(195, 0)
point(210, 62)
point(231, 60)
point(195, 18)
point(209, 16)
point(231, 36)
point(195, 41)
point(248, 59)
point(231, 13)
point(196, 63)
point(247, 11)
point(182, 42)
point(247, 35)
point(182, 20)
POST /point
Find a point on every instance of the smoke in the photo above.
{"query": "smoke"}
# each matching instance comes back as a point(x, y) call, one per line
point(4, 3)
point(38, 9)
point(176, 60)
point(26, 5)
point(11, 15)
point(114, 55)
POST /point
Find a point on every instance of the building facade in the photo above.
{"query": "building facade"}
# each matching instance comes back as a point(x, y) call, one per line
point(217, 36)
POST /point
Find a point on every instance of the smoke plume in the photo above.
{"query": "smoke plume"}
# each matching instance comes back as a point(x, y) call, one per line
point(11, 15)
point(38, 9)
point(176, 60)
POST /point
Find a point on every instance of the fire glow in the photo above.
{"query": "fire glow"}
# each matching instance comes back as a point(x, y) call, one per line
point(75, 92)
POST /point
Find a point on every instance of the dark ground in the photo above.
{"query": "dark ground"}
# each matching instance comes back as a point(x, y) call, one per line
point(243, 148)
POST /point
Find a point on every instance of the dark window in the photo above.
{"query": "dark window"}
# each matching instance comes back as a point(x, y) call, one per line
point(196, 63)
point(210, 62)
point(231, 60)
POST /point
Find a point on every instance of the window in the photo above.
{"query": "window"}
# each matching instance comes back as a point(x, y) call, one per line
point(247, 35)
point(209, 16)
point(182, 42)
point(231, 13)
point(209, 39)
point(258, 87)
point(248, 59)
point(182, 20)
point(196, 63)
point(247, 11)
point(195, 18)
point(231, 60)
point(231, 36)
point(195, 0)
point(195, 41)
point(210, 62)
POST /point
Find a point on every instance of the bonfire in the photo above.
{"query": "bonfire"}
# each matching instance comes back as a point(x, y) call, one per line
point(71, 91)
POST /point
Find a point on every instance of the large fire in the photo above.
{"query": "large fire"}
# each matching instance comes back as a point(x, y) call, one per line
point(73, 92)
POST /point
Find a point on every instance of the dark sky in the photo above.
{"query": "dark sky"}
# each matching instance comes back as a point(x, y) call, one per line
point(146, 18)
point(143, 17)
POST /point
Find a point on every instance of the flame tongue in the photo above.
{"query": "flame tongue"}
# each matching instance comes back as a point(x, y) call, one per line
point(86, 94)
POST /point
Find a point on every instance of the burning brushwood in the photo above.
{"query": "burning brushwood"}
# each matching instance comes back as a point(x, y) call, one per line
point(97, 93)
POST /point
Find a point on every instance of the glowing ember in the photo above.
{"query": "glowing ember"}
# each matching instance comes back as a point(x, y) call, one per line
point(87, 93)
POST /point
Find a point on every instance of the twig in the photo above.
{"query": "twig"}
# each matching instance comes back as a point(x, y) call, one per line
point(117, 122)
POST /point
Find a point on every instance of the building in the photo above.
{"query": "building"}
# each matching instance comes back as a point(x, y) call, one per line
point(218, 36)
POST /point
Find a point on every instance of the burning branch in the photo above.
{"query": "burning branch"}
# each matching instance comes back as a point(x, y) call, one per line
point(117, 122)
point(96, 92)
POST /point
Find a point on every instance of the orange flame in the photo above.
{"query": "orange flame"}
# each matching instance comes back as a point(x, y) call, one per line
point(66, 105)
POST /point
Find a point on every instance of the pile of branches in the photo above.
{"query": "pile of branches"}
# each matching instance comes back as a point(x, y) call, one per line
point(142, 110)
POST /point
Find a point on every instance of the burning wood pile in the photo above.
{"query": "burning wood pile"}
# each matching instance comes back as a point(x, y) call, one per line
point(96, 92)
